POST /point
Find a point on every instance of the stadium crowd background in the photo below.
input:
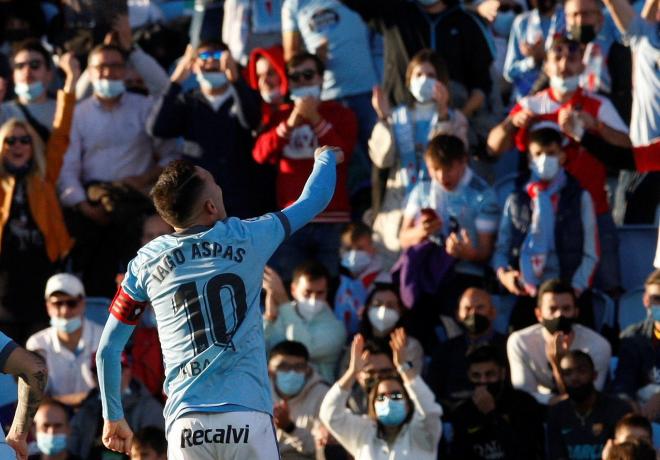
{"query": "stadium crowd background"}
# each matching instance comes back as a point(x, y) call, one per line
point(488, 255)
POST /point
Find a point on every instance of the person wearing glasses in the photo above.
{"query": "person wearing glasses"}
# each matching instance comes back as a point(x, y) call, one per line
point(33, 236)
point(582, 117)
point(403, 418)
point(69, 343)
point(216, 121)
point(297, 392)
point(288, 141)
point(32, 73)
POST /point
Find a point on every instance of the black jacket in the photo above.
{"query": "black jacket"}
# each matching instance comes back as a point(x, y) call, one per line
point(457, 35)
point(639, 356)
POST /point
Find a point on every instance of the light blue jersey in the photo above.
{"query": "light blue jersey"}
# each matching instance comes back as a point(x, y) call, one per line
point(7, 345)
point(205, 285)
point(204, 288)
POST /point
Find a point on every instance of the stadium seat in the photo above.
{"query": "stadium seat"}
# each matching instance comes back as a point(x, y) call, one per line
point(604, 310)
point(636, 251)
point(656, 435)
point(504, 186)
point(504, 306)
point(97, 309)
point(631, 308)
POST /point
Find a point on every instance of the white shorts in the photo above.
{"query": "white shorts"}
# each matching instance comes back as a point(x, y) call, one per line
point(222, 436)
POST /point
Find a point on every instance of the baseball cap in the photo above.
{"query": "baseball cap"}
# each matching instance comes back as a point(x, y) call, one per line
point(66, 283)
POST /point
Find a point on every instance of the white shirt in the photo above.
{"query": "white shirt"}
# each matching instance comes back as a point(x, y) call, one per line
point(68, 372)
point(530, 369)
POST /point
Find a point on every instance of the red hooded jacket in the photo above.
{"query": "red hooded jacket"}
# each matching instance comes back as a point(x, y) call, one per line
point(275, 55)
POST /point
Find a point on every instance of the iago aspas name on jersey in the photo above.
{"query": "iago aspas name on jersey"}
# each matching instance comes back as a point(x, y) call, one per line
point(204, 249)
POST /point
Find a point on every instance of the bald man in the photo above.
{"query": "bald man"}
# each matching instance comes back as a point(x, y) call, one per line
point(448, 371)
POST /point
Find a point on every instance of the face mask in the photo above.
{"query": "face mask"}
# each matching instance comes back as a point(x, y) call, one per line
point(51, 444)
point(382, 318)
point(565, 85)
point(422, 88)
point(561, 324)
point(655, 312)
point(309, 308)
point(502, 23)
point(391, 412)
point(271, 96)
point(581, 393)
point(108, 89)
point(476, 324)
point(545, 167)
point(306, 91)
point(289, 383)
point(212, 80)
point(66, 325)
point(583, 33)
point(29, 91)
point(356, 261)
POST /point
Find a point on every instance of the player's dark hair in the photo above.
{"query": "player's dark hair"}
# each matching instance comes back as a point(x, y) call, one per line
point(106, 47)
point(445, 149)
point(633, 420)
point(312, 270)
point(212, 45)
point(354, 231)
point(544, 137)
point(176, 193)
point(289, 348)
point(581, 356)
point(485, 354)
point(34, 45)
point(151, 436)
point(631, 451)
point(433, 58)
point(554, 286)
point(299, 58)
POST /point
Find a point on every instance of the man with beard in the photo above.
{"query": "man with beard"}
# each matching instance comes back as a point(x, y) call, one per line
point(448, 373)
point(579, 427)
point(497, 421)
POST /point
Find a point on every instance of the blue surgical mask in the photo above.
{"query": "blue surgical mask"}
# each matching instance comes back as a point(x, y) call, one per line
point(391, 412)
point(502, 23)
point(109, 89)
point(66, 325)
point(305, 91)
point(565, 85)
point(422, 88)
point(212, 80)
point(289, 383)
point(655, 312)
point(29, 91)
point(356, 261)
point(545, 167)
point(51, 444)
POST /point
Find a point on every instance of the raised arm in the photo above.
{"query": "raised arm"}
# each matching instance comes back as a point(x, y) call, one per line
point(32, 373)
point(318, 190)
point(622, 13)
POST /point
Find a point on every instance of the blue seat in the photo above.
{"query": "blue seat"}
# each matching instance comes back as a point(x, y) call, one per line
point(504, 186)
point(604, 310)
point(504, 305)
point(631, 308)
point(637, 245)
point(97, 309)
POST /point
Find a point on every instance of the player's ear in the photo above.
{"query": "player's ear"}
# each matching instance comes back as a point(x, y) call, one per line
point(209, 207)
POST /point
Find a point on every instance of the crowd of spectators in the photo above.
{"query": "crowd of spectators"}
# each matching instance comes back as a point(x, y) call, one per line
point(448, 301)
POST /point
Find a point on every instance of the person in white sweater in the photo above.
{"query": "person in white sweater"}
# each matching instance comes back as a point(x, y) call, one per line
point(403, 421)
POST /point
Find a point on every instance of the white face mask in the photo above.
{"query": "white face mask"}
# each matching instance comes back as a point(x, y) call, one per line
point(271, 96)
point(356, 261)
point(304, 91)
point(545, 166)
point(422, 88)
point(382, 318)
point(309, 308)
point(565, 85)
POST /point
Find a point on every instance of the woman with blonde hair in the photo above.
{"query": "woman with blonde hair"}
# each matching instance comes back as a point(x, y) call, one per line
point(33, 236)
point(400, 138)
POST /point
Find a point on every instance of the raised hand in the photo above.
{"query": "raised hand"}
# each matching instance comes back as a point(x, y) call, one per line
point(398, 343)
point(185, 65)
point(339, 153)
point(229, 66)
point(71, 68)
point(358, 355)
point(117, 436)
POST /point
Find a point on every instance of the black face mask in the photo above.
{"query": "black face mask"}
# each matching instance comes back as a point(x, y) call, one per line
point(561, 324)
point(495, 388)
point(581, 393)
point(584, 33)
point(476, 324)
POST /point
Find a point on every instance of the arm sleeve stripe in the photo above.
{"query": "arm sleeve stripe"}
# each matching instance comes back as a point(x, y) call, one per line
point(6, 351)
point(285, 223)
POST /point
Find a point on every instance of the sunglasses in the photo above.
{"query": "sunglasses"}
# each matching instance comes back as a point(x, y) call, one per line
point(25, 140)
point(307, 75)
point(33, 64)
point(206, 55)
point(394, 396)
point(68, 303)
